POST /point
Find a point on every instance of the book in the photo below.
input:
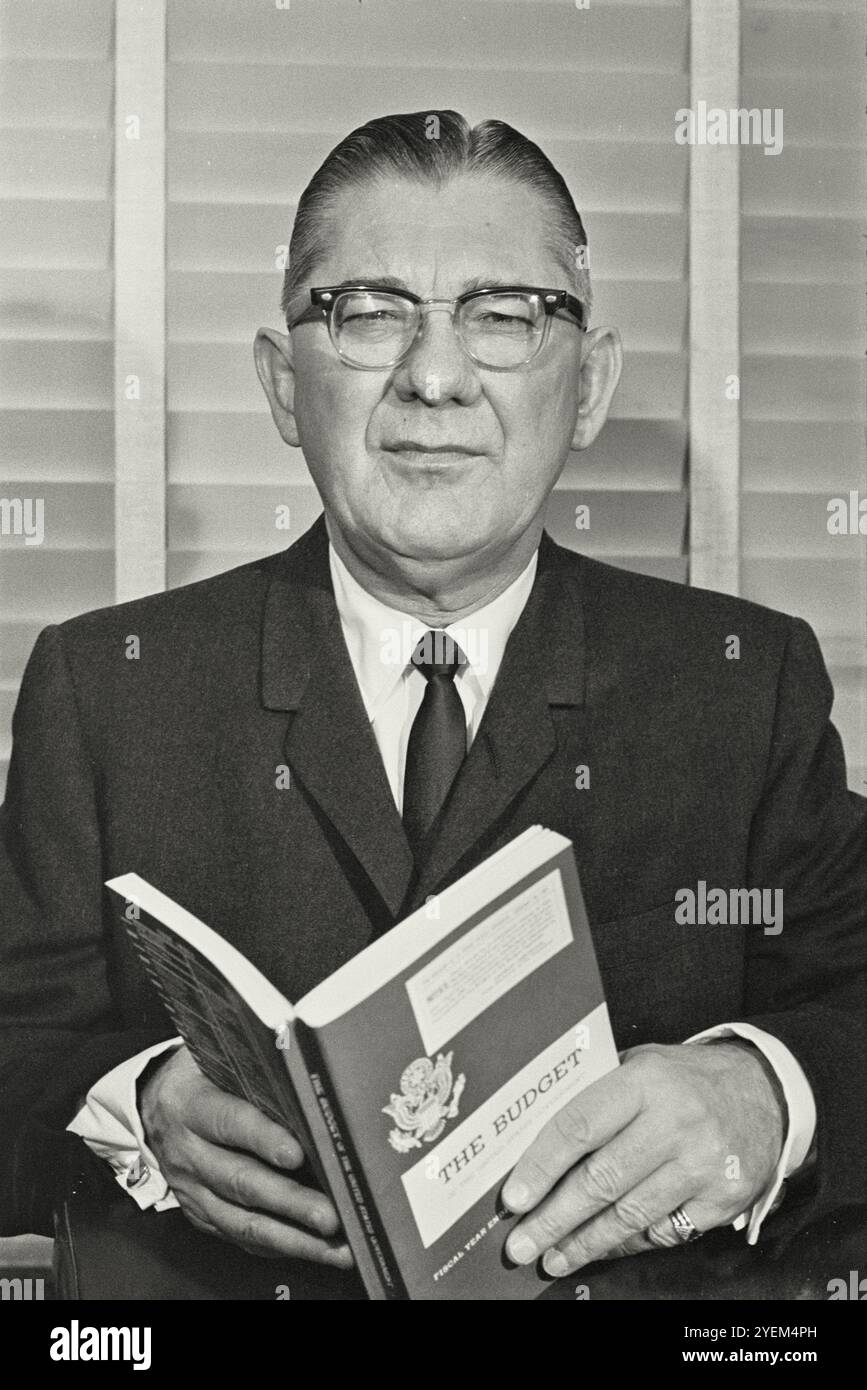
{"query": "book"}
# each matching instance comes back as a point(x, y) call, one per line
point(417, 1074)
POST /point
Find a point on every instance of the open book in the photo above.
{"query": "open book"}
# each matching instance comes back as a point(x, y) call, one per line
point(416, 1075)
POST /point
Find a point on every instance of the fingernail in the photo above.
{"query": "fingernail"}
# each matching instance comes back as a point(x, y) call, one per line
point(555, 1263)
point(287, 1157)
point(516, 1195)
point(521, 1249)
point(342, 1256)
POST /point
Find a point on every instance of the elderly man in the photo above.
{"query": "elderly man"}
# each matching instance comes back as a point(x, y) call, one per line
point(438, 368)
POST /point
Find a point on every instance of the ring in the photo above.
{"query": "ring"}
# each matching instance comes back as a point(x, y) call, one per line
point(684, 1229)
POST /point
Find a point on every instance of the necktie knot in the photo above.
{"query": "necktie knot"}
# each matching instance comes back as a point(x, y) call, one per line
point(437, 654)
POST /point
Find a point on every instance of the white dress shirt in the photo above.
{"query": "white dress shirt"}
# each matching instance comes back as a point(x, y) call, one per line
point(380, 641)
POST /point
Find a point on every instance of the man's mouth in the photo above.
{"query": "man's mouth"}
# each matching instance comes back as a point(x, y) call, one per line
point(412, 446)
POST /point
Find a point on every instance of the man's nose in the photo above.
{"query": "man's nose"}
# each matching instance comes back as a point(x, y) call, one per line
point(436, 367)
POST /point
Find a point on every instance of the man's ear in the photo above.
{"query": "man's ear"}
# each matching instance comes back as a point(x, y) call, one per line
point(272, 353)
point(601, 364)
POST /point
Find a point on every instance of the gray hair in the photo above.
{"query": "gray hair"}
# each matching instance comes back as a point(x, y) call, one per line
point(434, 146)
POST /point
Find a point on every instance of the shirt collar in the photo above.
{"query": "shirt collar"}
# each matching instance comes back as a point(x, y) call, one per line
point(381, 639)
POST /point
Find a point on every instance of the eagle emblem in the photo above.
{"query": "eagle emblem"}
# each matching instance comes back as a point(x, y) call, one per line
point(428, 1098)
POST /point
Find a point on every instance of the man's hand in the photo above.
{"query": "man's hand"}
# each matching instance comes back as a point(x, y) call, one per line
point(698, 1126)
point(222, 1159)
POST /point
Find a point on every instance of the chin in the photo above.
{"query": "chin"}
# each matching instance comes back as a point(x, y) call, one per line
point(436, 538)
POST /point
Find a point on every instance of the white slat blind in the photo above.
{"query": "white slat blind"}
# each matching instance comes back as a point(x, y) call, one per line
point(714, 269)
point(803, 335)
point(55, 320)
point(258, 95)
point(139, 297)
point(258, 92)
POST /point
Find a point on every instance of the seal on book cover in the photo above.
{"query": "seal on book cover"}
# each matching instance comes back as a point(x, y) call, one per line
point(427, 1100)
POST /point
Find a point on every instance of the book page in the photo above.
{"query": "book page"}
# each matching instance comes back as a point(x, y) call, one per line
point(398, 948)
point(490, 960)
point(256, 991)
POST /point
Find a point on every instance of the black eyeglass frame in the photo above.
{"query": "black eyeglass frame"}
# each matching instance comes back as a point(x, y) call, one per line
point(324, 297)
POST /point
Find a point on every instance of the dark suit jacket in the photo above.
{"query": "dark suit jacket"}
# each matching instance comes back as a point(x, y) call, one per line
point(700, 768)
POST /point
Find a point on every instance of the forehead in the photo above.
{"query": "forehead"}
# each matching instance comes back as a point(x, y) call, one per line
point(437, 239)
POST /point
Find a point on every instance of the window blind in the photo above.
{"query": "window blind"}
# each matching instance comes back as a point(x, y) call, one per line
point(257, 95)
point(802, 378)
point(56, 77)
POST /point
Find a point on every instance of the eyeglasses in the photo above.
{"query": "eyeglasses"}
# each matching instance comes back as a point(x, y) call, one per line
point(502, 328)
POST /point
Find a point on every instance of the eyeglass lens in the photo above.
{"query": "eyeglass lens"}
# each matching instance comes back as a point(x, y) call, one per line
point(373, 328)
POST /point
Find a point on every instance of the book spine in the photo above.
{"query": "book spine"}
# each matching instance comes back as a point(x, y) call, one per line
point(346, 1171)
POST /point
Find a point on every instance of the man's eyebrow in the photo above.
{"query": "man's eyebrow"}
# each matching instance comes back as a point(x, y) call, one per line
point(490, 282)
point(393, 282)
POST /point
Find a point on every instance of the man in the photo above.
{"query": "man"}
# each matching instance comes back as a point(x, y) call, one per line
point(437, 369)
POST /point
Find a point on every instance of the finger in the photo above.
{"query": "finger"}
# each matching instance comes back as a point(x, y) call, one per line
point(662, 1234)
point(644, 1206)
point(197, 1221)
point(260, 1234)
point(236, 1124)
point(581, 1125)
point(603, 1178)
point(246, 1182)
point(637, 1245)
point(704, 1218)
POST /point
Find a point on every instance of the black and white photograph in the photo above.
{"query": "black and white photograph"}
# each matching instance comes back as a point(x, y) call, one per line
point(433, 665)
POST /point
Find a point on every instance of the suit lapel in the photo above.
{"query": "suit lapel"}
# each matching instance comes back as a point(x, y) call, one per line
point(543, 666)
point(330, 746)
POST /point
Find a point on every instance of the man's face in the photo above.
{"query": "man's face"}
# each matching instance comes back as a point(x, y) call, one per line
point(501, 437)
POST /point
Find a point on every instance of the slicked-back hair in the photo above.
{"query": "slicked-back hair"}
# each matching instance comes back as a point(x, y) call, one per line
point(433, 147)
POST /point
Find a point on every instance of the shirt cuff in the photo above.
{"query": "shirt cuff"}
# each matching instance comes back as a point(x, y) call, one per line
point(801, 1107)
point(111, 1127)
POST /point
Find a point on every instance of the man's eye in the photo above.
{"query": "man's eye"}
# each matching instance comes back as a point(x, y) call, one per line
point(373, 316)
point(496, 319)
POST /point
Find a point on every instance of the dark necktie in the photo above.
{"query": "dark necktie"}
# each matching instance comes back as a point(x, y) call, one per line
point(438, 738)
